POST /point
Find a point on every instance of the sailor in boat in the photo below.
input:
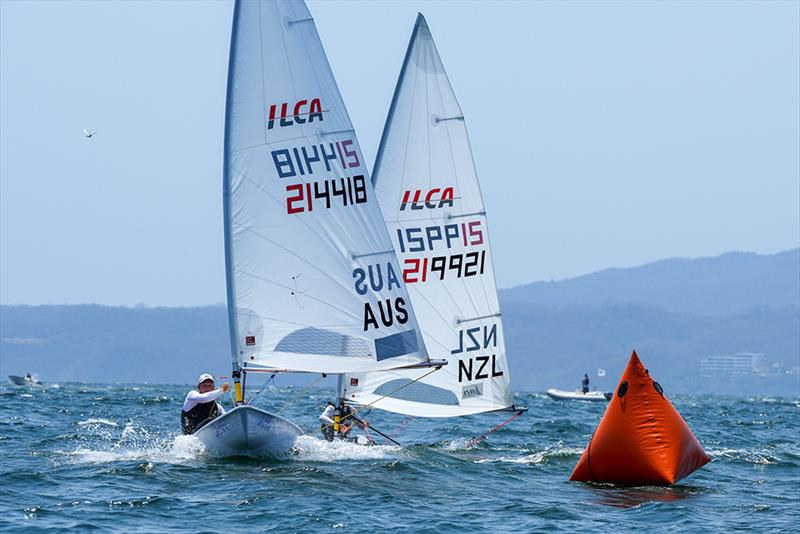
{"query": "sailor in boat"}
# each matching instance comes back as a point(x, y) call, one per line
point(348, 421)
point(326, 421)
point(201, 405)
point(585, 384)
point(337, 422)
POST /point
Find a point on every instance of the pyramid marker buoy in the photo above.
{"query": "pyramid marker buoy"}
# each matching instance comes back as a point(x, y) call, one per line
point(641, 439)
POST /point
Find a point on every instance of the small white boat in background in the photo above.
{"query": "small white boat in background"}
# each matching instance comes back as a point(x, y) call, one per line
point(248, 431)
point(560, 394)
point(28, 380)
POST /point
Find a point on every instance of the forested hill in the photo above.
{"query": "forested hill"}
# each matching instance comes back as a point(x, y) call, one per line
point(673, 312)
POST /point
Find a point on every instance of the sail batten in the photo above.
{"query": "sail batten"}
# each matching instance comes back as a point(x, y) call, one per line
point(428, 189)
point(313, 280)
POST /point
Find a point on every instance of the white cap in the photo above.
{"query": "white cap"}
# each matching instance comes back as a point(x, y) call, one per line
point(204, 377)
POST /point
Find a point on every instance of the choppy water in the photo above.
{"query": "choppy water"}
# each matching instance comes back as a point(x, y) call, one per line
point(109, 457)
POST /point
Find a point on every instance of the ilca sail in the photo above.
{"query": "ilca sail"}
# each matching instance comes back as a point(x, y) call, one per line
point(313, 280)
point(428, 189)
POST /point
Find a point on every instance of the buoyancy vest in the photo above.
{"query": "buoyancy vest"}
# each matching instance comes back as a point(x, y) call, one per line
point(194, 418)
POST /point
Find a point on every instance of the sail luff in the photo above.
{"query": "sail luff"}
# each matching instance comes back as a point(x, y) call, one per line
point(226, 202)
point(390, 115)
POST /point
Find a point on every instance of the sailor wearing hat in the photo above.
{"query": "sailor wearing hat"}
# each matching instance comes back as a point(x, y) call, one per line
point(201, 405)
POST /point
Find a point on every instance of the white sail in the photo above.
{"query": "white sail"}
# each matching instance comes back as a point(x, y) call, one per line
point(313, 280)
point(428, 190)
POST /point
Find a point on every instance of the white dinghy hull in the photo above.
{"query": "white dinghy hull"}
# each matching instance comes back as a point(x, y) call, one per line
point(248, 431)
point(596, 396)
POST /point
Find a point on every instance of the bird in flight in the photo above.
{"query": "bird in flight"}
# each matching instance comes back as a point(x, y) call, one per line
point(88, 133)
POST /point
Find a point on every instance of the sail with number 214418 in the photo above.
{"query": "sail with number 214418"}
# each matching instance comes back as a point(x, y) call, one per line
point(303, 229)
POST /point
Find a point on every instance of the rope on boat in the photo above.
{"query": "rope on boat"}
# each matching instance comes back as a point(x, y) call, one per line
point(409, 418)
point(258, 391)
point(291, 401)
point(369, 437)
point(475, 441)
point(366, 426)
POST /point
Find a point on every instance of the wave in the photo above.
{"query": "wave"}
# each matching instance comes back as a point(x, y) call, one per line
point(460, 444)
point(555, 452)
point(743, 455)
point(96, 421)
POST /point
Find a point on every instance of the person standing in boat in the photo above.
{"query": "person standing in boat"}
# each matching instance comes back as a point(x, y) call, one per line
point(201, 405)
point(585, 384)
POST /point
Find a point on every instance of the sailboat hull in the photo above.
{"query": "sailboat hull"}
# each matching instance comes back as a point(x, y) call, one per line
point(248, 431)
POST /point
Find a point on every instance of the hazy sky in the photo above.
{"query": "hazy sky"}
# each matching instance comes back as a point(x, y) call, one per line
point(605, 134)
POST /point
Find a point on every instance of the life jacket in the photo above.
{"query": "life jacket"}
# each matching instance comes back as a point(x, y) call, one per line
point(198, 416)
point(346, 420)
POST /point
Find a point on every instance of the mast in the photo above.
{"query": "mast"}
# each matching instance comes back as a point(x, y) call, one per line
point(339, 389)
point(226, 209)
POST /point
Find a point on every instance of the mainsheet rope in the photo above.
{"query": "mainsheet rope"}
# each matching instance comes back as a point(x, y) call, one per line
point(407, 419)
point(291, 401)
point(475, 441)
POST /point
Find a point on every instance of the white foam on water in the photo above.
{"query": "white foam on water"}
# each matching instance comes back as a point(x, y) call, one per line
point(539, 457)
point(460, 444)
point(180, 450)
point(96, 421)
point(753, 457)
point(110, 443)
point(187, 448)
point(311, 449)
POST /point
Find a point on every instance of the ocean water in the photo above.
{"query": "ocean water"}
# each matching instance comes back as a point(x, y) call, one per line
point(110, 458)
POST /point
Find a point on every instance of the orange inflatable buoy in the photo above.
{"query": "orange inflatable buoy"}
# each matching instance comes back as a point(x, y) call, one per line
point(641, 439)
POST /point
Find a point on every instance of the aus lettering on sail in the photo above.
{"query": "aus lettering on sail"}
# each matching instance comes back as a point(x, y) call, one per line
point(380, 277)
point(477, 366)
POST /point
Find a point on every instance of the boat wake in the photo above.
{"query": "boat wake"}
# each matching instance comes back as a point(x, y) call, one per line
point(311, 449)
point(179, 450)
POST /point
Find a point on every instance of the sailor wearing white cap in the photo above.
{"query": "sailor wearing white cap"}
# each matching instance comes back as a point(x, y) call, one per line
point(201, 405)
